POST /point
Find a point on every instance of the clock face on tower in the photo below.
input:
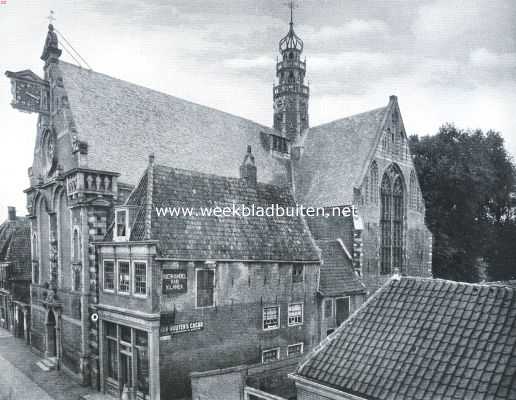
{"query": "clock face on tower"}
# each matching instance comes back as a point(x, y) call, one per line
point(49, 150)
point(28, 96)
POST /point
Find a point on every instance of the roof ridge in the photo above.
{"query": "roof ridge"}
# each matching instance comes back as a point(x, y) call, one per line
point(189, 172)
point(348, 117)
point(167, 94)
point(451, 282)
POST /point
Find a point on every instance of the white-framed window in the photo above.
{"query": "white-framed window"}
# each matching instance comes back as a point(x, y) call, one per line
point(124, 277)
point(205, 287)
point(271, 317)
point(295, 314)
point(295, 349)
point(297, 273)
point(270, 355)
point(109, 276)
point(140, 278)
point(121, 230)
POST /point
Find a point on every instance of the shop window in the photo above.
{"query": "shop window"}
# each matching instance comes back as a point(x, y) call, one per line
point(142, 362)
point(140, 278)
point(295, 314)
point(294, 350)
point(297, 273)
point(124, 277)
point(109, 275)
point(111, 350)
point(270, 355)
point(205, 287)
point(271, 317)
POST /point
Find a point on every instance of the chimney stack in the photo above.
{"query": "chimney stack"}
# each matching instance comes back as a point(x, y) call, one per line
point(248, 168)
point(11, 213)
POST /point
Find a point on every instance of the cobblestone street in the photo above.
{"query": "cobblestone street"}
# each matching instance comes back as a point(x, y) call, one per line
point(22, 379)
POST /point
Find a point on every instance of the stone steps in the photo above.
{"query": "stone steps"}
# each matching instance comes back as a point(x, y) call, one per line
point(47, 364)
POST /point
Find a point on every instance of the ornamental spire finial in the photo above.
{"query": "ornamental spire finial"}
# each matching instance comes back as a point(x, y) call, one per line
point(51, 17)
point(291, 5)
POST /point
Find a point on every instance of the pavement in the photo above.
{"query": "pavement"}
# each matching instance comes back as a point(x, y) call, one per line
point(22, 379)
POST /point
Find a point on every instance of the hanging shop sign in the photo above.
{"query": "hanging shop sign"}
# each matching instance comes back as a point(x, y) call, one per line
point(166, 331)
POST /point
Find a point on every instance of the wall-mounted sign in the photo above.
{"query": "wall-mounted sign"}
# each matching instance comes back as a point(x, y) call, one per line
point(174, 281)
point(166, 331)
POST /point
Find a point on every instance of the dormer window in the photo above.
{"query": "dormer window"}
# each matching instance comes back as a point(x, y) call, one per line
point(121, 225)
point(279, 144)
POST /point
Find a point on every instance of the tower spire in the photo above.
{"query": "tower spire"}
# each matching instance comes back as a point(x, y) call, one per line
point(291, 94)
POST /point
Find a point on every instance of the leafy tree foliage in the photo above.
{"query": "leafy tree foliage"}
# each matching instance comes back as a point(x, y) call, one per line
point(467, 178)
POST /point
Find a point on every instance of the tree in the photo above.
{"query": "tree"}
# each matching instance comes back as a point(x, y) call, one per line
point(466, 179)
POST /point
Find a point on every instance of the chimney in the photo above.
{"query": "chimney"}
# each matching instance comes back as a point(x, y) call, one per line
point(11, 213)
point(248, 168)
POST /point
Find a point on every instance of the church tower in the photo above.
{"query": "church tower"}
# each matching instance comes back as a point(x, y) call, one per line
point(291, 94)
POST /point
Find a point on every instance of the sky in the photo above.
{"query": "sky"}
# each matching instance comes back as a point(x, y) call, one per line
point(446, 60)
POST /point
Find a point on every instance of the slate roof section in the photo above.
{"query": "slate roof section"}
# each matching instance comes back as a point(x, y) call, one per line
point(423, 339)
point(337, 276)
point(123, 123)
point(334, 158)
point(219, 238)
point(15, 246)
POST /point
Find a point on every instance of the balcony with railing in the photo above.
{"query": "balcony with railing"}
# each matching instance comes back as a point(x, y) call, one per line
point(83, 182)
point(289, 88)
point(290, 64)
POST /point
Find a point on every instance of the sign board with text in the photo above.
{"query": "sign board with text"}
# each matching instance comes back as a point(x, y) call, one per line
point(174, 281)
point(166, 331)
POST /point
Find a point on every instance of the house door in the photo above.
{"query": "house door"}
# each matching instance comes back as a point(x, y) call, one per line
point(342, 310)
point(126, 370)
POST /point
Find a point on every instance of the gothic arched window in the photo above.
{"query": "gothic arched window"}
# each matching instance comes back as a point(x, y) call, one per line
point(392, 221)
point(385, 225)
point(374, 182)
point(35, 258)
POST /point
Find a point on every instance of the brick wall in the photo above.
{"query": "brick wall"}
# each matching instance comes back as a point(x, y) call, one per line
point(233, 333)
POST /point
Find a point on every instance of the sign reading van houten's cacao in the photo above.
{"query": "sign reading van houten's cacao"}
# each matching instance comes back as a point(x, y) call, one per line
point(174, 281)
point(166, 331)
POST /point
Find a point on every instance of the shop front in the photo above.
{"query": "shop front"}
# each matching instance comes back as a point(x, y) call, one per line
point(129, 357)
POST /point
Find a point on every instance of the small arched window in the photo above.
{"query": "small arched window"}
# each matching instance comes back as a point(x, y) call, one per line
point(374, 182)
point(290, 55)
point(35, 258)
point(35, 255)
point(76, 246)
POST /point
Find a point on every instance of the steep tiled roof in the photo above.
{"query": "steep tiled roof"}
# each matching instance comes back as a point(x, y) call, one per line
point(123, 123)
point(236, 238)
point(337, 275)
point(420, 338)
point(15, 245)
point(334, 156)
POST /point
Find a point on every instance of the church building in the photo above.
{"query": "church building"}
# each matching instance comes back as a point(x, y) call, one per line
point(128, 301)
